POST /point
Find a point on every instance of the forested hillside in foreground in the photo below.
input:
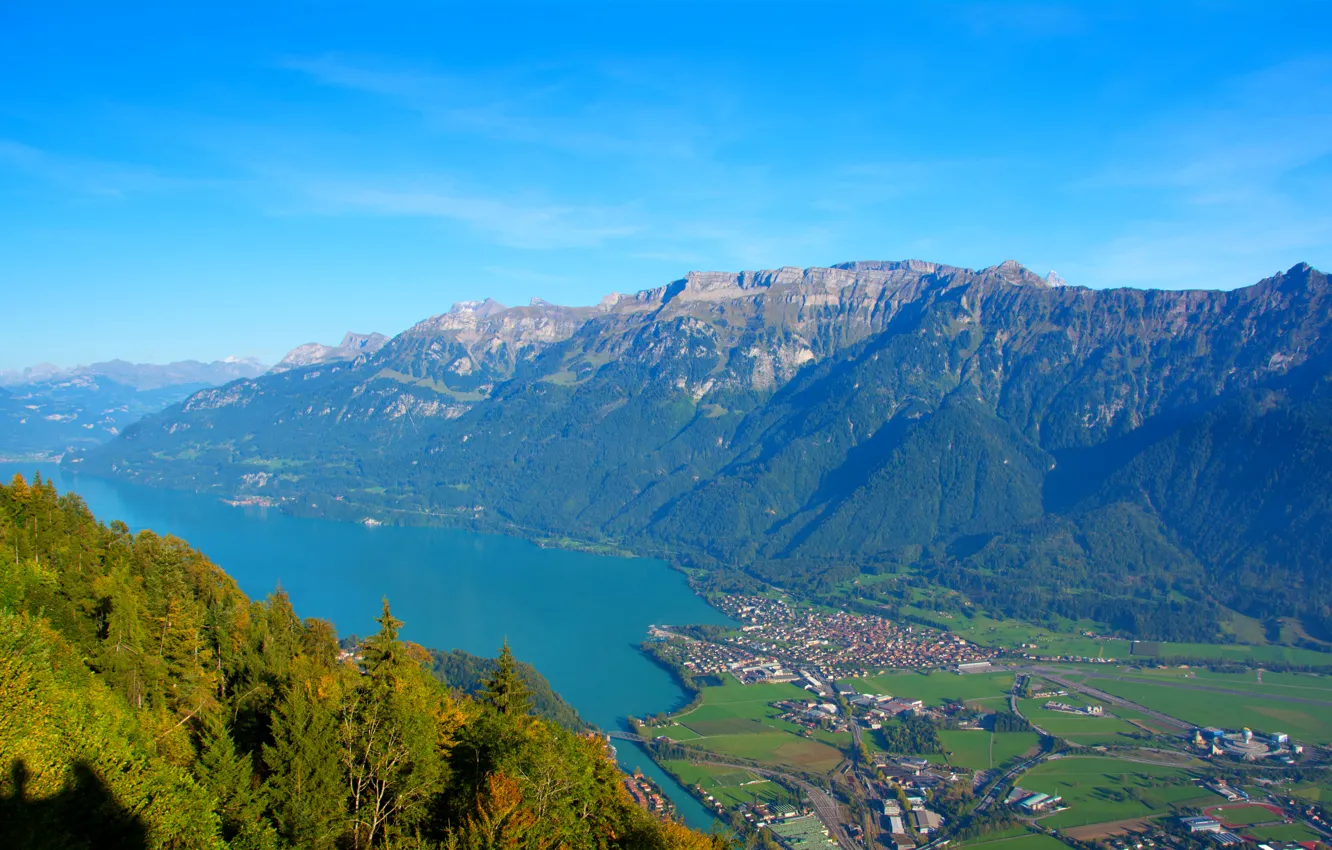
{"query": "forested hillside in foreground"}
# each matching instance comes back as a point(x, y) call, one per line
point(147, 703)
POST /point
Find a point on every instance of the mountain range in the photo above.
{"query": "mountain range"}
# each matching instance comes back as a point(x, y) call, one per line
point(352, 346)
point(45, 410)
point(1145, 458)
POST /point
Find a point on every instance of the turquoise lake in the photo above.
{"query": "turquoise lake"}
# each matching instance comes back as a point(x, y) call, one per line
point(578, 618)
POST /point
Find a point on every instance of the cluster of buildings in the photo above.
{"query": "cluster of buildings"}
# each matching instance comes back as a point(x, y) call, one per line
point(813, 715)
point(1033, 803)
point(778, 640)
point(1211, 828)
point(1087, 710)
point(1245, 745)
point(647, 795)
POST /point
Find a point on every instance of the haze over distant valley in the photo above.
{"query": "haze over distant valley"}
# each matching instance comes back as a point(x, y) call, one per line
point(46, 410)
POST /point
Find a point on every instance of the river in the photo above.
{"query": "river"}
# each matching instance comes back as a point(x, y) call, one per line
point(577, 617)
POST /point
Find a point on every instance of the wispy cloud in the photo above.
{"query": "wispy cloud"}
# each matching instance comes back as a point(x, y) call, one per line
point(515, 224)
point(81, 175)
point(1226, 186)
point(592, 111)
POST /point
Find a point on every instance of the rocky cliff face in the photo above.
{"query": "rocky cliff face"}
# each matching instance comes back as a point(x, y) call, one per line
point(353, 345)
point(858, 414)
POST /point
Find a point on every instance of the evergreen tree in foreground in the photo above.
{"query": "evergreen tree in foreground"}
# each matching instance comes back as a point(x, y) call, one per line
point(506, 690)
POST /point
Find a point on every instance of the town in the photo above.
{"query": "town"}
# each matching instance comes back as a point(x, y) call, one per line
point(780, 642)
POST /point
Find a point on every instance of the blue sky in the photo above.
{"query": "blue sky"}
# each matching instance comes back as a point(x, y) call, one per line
point(183, 183)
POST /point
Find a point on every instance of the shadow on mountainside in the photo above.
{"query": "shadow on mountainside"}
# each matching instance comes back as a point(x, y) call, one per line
point(83, 814)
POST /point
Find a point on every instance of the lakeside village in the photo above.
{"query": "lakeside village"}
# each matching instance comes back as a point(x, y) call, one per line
point(780, 643)
point(903, 793)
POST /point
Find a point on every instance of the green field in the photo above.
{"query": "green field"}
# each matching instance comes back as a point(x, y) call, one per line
point(675, 732)
point(1010, 745)
point(778, 748)
point(1098, 790)
point(728, 785)
point(1078, 729)
point(1304, 685)
point(1236, 652)
point(967, 748)
point(1303, 721)
point(732, 699)
point(1284, 832)
point(1027, 841)
point(1313, 792)
point(737, 720)
point(939, 687)
point(1245, 815)
point(972, 749)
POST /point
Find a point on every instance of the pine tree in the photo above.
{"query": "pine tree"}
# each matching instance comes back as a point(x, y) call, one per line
point(306, 783)
point(506, 689)
point(391, 733)
point(229, 776)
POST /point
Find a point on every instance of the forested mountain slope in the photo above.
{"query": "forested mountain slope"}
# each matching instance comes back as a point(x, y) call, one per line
point(1125, 454)
point(147, 703)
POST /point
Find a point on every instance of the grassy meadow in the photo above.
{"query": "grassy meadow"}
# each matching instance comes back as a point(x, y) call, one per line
point(1303, 721)
point(1098, 789)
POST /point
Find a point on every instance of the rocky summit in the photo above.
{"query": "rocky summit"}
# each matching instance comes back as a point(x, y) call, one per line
point(1032, 444)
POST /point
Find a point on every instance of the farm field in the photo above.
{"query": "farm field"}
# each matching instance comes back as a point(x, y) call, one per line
point(991, 838)
point(938, 687)
point(972, 749)
point(1027, 841)
point(1078, 729)
point(1236, 652)
point(965, 748)
point(674, 731)
point(1303, 685)
point(1007, 634)
point(778, 748)
point(732, 699)
point(1314, 792)
point(1303, 721)
point(1010, 745)
point(737, 720)
point(728, 785)
point(1098, 789)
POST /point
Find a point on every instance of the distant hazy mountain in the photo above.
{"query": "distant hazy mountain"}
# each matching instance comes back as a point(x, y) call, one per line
point(1125, 455)
point(45, 410)
point(353, 345)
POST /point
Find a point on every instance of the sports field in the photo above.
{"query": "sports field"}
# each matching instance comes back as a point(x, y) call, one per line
point(1307, 722)
point(1098, 790)
point(1242, 815)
